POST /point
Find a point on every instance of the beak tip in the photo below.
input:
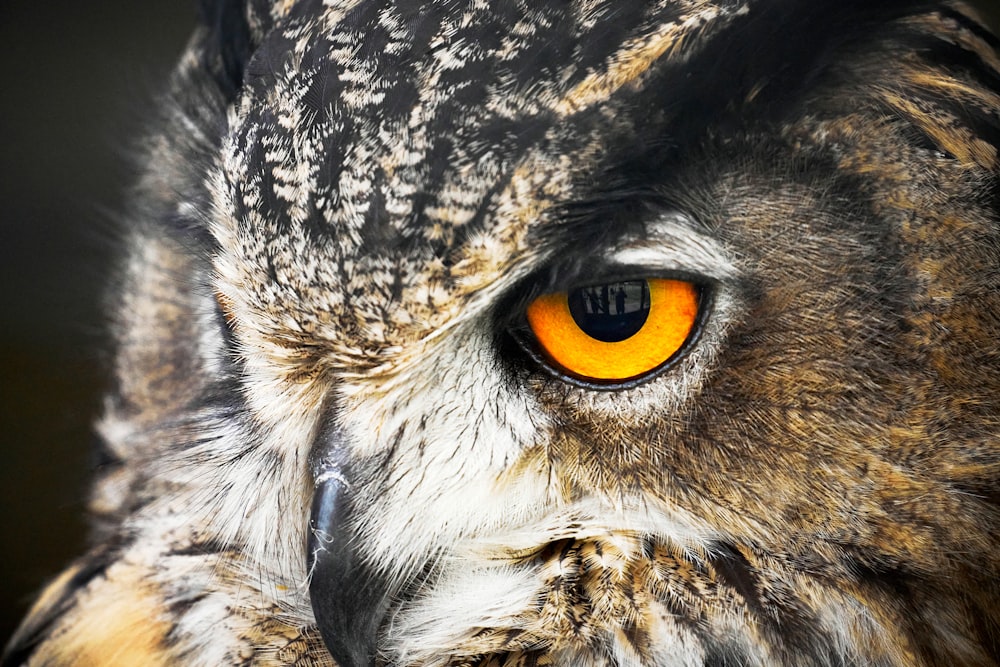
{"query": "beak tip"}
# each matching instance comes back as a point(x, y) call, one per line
point(348, 598)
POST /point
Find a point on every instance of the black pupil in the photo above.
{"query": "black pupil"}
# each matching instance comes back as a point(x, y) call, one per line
point(610, 312)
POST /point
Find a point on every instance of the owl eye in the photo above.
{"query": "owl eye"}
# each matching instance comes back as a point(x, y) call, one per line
point(614, 331)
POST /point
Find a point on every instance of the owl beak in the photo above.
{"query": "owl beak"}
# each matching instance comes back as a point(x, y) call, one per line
point(349, 599)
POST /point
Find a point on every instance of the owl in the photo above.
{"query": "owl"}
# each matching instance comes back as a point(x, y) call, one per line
point(569, 333)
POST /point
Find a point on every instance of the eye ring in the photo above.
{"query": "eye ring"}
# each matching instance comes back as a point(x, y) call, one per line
point(599, 342)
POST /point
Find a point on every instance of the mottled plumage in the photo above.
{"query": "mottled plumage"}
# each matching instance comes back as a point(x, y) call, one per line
point(333, 433)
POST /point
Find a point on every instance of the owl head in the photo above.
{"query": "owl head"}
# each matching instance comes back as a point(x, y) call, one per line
point(567, 333)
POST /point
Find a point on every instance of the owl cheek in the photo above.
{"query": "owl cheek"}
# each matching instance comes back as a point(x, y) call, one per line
point(349, 599)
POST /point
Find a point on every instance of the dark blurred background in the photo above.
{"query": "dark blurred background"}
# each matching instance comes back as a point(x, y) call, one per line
point(78, 79)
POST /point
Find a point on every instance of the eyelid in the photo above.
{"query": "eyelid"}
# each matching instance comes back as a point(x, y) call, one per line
point(670, 246)
point(673, 245)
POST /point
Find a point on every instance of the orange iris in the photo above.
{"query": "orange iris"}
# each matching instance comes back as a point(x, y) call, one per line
point(617, 330)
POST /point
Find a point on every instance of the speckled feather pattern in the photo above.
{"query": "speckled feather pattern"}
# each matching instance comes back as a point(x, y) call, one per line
point(342, 217)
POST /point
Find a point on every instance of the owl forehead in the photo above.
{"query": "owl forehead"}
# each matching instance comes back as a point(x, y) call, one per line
point(388, 162)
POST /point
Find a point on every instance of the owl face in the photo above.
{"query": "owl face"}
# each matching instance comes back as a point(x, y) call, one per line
point(596, 333)
point(417, 214)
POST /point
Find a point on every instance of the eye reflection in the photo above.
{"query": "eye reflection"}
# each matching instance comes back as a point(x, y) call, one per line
point(611, 312)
